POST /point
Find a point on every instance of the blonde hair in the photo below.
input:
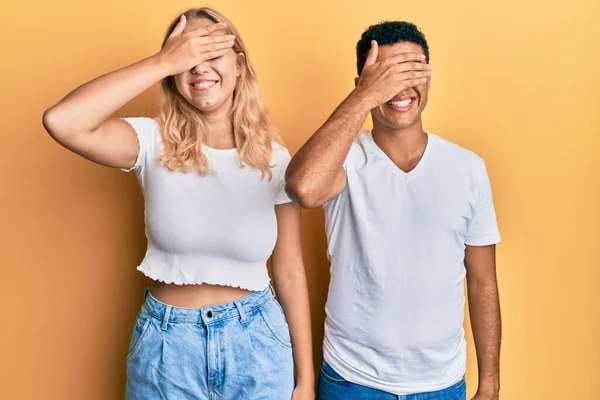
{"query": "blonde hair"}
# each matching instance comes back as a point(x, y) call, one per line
point(183, 128)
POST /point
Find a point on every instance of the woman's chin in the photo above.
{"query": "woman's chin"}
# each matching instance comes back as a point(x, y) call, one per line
point(210, 105)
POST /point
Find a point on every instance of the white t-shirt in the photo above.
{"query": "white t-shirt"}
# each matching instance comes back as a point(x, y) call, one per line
point(216, 229)
point(396, 242)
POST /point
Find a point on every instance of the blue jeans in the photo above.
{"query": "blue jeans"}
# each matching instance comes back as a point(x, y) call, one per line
point(239, 350)
point(333, 387)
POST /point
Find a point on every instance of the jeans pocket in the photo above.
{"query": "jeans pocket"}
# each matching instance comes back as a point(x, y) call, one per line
point(327, 372)
point(140, 328)
point(274, 319)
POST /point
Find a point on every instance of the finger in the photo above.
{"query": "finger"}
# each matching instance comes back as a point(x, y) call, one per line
point(414, 82)
point(410, 66)
point(406, 57)
point(205, 48)
point(212, 54)
point(214, 39)
point(179, 27)
point(409, 75)
point(372, 56)
point(207, 30)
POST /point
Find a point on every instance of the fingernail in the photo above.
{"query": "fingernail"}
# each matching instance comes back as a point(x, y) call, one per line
point(428, 73)
point(429, 67)
point(422, 56)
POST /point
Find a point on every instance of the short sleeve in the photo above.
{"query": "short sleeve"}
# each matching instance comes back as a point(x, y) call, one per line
point(146, 130)
point(356, 158)
point(483, 227)
point(282, 156)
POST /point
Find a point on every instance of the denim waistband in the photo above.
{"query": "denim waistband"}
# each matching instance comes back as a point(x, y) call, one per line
point(209, 314)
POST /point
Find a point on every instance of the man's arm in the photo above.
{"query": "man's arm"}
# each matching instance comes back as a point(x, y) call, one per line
point(316, 174)
point(484, 308)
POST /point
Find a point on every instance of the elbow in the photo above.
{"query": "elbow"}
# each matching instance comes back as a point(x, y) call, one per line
point(54, 125)
point(302, 194)
point(50, 122)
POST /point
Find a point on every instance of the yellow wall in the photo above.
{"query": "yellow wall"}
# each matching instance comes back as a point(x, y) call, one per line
point(516, 82)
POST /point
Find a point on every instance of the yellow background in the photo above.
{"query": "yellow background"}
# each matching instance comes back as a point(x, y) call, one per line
point(515, 81)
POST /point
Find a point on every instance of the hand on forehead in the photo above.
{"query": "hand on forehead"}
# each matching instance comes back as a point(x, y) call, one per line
point(386, 51)
point(198, 23)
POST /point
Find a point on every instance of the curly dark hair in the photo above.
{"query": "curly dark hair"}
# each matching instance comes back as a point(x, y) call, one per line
point(386, 33)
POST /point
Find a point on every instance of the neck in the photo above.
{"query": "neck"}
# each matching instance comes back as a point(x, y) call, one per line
point(405, 143)
point(405, 147)
point(220, 132)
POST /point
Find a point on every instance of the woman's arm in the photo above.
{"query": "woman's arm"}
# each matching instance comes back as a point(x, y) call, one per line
point(292, 290)
point(82, 121)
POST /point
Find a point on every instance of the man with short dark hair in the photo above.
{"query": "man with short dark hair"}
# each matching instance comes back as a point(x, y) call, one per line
point(408, 216)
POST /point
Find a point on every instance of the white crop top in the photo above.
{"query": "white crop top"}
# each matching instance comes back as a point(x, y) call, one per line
point(217, 229)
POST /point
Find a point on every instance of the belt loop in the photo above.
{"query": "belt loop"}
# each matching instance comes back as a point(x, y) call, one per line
point(166, 318)
point(241, 311)
point(272, 290)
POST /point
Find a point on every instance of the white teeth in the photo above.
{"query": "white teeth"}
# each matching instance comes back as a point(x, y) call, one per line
point(204, 84)
point(403, 103)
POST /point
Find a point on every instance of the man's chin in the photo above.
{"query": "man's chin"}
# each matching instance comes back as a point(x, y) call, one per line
point(399, 125)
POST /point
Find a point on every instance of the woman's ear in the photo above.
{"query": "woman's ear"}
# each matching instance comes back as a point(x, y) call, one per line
point(240, 60)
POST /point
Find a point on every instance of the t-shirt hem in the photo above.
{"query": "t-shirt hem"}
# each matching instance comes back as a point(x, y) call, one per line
point(283, 201)
point(354, 375)
point(138, 159)
point(155, 277)
point(483, 241)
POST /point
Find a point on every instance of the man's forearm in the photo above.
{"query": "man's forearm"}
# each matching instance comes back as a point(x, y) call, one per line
point(313, 170)
point(484, 307)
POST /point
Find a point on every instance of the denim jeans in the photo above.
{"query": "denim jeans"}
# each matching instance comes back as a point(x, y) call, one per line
point(239, 350)
point(333, 387)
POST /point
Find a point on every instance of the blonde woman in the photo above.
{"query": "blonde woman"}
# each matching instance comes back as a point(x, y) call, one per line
point(212, 172)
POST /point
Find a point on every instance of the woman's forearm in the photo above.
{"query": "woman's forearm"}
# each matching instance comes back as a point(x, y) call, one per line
point(293, 296)
point(87, 107)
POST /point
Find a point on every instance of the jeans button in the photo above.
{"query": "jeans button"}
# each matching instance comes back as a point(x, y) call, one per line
point(209, 314)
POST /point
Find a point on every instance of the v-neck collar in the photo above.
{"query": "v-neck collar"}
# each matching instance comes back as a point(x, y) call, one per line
point(376, 150)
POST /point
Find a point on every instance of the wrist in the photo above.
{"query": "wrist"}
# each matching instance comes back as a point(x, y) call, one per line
point(305, 388)
point(363, 99)
point(159, 65)
point(308, 385)
point(489, 386)
point(305, 381)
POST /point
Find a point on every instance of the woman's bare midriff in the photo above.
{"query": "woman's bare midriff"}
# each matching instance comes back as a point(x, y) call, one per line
point(195, 296)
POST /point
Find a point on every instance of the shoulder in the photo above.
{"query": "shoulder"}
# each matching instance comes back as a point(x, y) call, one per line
point(357, 155)
point(280, 154)
point(454, 154)
point(146, 129)
point(143, 124)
